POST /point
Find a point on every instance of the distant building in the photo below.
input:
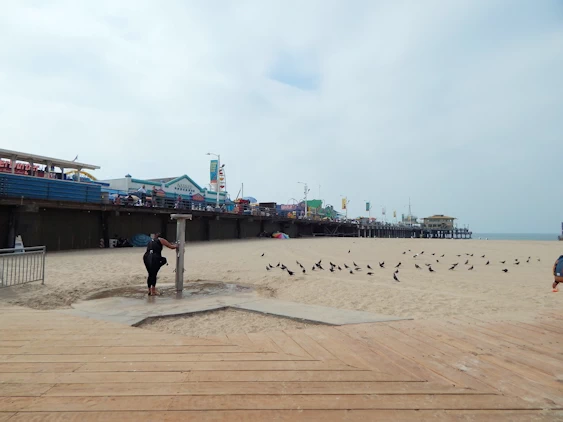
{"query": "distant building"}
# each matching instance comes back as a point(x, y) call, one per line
point(438, 222)
point(171, 187)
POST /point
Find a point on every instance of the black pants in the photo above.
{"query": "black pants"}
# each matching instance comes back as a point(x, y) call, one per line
point(153, 262)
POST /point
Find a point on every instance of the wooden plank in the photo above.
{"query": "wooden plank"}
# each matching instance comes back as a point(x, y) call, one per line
point(38, 367)
point(126, 350)
point(241, 340)
point(495, 376)
point(374, 361)
point(285, 416)
point(547, 325)
point(510, 352)
point(336, 348)
point(200, 376)
point(4, 416)
point(305, 365)
point(8, 390)
point(535, 328)
point(259, 402)
point(314, 349)
point(284, 376)
point(13, 343)
point(417, 371)
point(287, 344)
point(521, 336)
point(263, 343)
point(500, 339)
point(169, 357)
point(427, 356)
point(243, 388)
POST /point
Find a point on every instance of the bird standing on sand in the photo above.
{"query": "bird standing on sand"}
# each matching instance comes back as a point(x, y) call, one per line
point(369, 267)
point(346, 266)
point(417, 266)
point(487, 263)
point(441, 256)
point(267, 268)
point(339, 268)
point(262, 254)
point(404, 253)
point(348, 250)
point(331, 270)
point(351, 272)
point(382, 264)
point(505, 270)
point(303, 270)
point(470, 268)
point(430, 269)
point(517, 263)
point(395, 278)
point(355, 265)
point(369, 273)
point(502, 262)
point(466, 262)
point(290, 272)
point(483, 256)
point(398, 265)
point(452, 268)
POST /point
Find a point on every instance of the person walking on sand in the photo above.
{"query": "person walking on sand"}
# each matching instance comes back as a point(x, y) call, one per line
point(557, 273)
point(153, 260)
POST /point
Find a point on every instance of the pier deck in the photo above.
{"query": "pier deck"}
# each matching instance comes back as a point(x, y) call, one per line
point(57, 367)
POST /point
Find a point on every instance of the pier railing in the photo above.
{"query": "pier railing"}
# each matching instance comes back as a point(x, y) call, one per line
point(21, 266)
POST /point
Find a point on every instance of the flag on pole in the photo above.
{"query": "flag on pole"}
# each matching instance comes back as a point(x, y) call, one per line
point(344, 203)
point(213, 170)
point(368, 206)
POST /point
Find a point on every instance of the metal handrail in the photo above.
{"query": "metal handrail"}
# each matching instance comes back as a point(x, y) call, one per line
point(24, 248)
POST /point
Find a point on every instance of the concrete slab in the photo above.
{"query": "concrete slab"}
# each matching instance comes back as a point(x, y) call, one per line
point(316, 313)
point(133, 311)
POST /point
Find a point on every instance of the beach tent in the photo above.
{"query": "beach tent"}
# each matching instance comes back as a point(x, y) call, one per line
point(279, 235)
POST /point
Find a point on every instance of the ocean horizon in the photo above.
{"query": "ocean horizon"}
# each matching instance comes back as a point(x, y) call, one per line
point(516, 236)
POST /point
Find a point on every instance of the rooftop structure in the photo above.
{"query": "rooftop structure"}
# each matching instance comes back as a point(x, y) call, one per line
point(49, 162)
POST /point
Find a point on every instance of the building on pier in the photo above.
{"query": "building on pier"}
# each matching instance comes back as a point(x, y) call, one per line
point(438, 222)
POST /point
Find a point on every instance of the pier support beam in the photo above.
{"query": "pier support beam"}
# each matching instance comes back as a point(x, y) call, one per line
point(181, 240)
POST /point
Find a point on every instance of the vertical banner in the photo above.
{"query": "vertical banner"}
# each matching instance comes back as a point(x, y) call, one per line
point(213, 170)
point(344, 203)
point(394, 214)
point(368, 206)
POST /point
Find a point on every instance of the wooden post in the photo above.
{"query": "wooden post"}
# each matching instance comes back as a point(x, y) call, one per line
point(181, 241)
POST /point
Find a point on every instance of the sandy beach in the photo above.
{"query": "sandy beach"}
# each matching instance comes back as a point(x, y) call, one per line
point(485, 291)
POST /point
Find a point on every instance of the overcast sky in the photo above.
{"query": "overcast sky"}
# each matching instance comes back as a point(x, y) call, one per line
point(455, 104)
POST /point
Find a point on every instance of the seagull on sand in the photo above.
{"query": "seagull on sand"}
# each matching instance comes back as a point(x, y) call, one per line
point(262, 255)
point(452, 268)
point(505, 270)
point(369, 267)
point(466, 262)
point(417, 266)
point(395, 278)
point(502, 262)
point(487, 263)
point(430, 269)
point(267, 268)
point(470, 268)
point(290, 272)
point(382, 264)
point(398, 265)
point(369, 273)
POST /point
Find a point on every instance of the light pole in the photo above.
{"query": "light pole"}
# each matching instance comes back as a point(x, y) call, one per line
point(218, 167)
point(306, 190)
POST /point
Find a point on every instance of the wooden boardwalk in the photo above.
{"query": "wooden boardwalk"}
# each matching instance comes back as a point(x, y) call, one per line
point(56, 367)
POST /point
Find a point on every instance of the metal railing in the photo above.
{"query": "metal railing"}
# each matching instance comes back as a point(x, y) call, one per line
point(23, 265)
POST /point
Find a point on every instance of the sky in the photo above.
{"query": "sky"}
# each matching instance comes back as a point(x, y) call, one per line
point(457, 105)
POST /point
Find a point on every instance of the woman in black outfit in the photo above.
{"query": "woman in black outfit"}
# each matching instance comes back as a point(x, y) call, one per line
point(153, 260)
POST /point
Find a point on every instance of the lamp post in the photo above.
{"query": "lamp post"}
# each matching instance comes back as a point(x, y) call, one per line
point(218, 167)
point(306, 190)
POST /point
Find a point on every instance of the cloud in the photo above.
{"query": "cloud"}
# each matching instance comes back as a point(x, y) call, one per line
point(454, 104)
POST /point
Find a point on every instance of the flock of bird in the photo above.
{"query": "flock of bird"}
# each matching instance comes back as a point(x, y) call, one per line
point(317, 266)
